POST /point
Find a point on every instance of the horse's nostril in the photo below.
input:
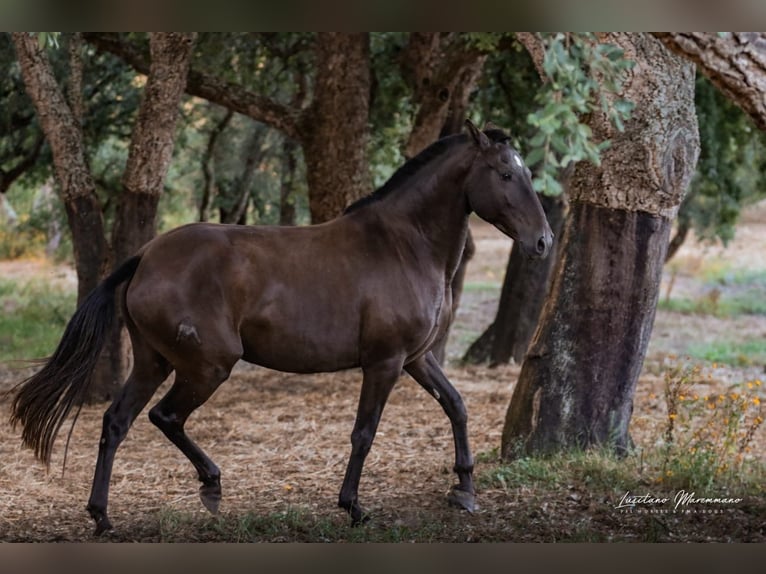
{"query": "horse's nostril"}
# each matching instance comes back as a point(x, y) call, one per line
point(541, 245)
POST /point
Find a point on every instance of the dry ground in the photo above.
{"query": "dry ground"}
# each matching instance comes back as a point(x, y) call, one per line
point(282, 443)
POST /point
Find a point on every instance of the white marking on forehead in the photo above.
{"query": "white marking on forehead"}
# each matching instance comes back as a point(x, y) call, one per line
point(517, 159)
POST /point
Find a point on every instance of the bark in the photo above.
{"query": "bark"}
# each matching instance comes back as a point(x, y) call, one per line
point(149, 155)
point(335, 125)
point(151, 145)
point(735, 62)
point(577, 383)
point(74, 87)
point(525, 289)
point(75, 183)
point(442, 72)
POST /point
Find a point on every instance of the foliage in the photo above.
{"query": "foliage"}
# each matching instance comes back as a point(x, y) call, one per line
point(706, 442)
point(731, 171)
point(506, 93)
point(708, 439)
point(33, 317)
point(583, 76)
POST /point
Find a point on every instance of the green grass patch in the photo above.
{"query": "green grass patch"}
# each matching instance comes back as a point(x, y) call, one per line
point(32, 318)
point(722, 273)
point(746, 302)
point(742, 354)
point(295, 524)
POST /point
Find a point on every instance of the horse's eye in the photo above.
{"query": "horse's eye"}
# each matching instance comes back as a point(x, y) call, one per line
point(507, 176)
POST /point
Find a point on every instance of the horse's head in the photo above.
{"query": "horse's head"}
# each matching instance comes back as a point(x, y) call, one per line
point(499, 190)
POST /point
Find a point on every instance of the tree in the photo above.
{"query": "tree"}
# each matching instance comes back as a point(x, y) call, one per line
point(150, 153)
point(332, 128)
point(734, 61)
point(581, 77)
point(577, 383)
point(730, 173)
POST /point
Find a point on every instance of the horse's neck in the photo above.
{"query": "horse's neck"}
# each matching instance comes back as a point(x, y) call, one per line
point(436, 209)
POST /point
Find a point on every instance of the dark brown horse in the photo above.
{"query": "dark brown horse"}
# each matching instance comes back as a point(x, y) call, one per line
point(370, 289)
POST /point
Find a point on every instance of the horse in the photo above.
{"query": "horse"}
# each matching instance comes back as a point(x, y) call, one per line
point(369, 289)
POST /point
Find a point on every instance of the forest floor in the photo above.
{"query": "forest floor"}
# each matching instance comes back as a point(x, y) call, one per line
point(282, 440)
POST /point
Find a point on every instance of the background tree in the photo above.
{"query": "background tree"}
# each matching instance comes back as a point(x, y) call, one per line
point(730, 174)
point(332, 127)
point(577, 383)
point(148, 161)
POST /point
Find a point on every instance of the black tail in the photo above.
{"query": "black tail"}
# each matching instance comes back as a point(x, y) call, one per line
point(44, 400)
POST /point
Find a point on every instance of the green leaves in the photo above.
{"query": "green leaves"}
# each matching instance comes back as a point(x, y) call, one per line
point(583, 76)
point(47, 39)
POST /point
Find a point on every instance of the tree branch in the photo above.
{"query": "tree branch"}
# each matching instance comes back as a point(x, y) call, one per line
point(734, 62)
point(228, 94)
point(27, 162)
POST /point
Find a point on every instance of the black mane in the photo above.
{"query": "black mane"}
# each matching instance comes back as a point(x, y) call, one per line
point(414, 165)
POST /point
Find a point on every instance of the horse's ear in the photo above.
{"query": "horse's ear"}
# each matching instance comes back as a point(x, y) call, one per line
point(478, 136)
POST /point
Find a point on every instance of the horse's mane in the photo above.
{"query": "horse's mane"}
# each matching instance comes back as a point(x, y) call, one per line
point(414, 165)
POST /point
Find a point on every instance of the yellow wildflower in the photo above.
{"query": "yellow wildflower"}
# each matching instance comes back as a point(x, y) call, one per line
point(756, 401)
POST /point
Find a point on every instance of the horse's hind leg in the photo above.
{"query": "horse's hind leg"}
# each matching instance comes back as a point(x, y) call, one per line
point(190, 391)
point(150, 369)
point(376, 386)
point(429, 375)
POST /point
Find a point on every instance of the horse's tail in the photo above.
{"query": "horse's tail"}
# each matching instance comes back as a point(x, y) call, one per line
point(43, 401)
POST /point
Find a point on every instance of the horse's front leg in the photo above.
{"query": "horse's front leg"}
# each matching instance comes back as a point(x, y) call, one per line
point(377, 383)
point(429, 375)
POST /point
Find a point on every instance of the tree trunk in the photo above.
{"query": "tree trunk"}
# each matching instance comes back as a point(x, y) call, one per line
point(287, 183)
point(336, 128)
point(208, 170)
point(75, 183)
point(149, 155)
point(442, 71)
point(525, 289)
point(237, 203)
point(577, 383)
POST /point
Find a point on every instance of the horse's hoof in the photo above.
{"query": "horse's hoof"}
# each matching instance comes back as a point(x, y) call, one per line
point(462, 499)
point(102, 525)
point(101, 520)
point(360, 517)
point(210, 495)
point(358, 514)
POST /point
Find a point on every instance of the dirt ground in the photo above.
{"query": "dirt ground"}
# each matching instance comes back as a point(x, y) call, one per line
point(282, 440)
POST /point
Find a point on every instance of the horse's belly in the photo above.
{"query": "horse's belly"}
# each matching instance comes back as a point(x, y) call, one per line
point(301, 347)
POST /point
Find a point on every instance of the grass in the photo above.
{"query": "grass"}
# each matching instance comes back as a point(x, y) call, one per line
point(295, 524)
point(738, 353)
point(32, 318)
point(730, 292)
